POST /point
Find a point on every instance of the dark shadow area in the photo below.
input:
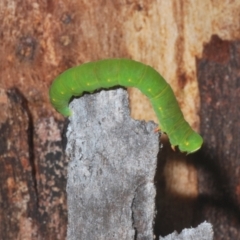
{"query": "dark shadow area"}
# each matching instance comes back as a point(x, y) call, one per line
point(217, 202)
point(176, 212)
point(217, 163)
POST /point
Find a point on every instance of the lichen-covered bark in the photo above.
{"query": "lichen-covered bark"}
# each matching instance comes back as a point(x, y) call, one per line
point(111, 192)
point(202, 232)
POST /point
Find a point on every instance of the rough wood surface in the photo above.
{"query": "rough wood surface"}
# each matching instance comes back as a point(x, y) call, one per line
point(113, 158)
point(32, 200)
point(18, 195)
point(219, 170)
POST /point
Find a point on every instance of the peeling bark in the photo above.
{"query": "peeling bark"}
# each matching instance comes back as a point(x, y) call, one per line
point(111, 192)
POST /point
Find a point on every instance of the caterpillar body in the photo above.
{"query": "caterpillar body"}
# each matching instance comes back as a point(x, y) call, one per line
point(108, 73)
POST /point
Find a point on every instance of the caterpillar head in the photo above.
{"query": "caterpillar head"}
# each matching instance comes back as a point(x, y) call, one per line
point(191, 143)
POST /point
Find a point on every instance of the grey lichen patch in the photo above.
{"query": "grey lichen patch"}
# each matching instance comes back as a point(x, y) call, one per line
point(113, 158)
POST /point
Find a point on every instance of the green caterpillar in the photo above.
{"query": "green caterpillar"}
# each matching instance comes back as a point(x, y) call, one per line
point(91, 76)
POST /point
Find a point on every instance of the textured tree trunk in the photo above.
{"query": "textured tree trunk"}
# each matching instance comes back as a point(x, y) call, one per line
point(219, 175)
point(26, 185)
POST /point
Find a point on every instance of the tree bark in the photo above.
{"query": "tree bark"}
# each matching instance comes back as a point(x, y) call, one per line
point(218, 163)
point(202, 232)
point(40, 39)
point(113, 158)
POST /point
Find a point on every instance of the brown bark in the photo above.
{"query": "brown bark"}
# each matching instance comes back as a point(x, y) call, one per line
point(218, 75)
point(32, 197)
point(18, 184)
